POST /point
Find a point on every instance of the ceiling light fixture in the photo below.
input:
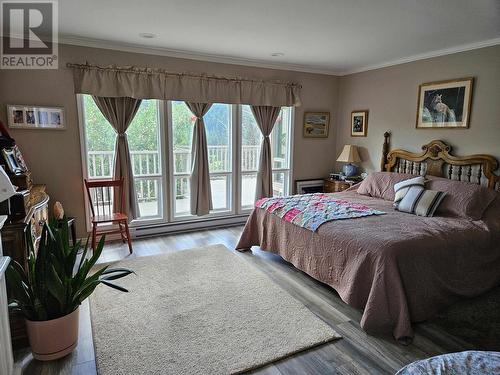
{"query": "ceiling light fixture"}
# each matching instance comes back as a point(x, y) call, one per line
point(147, 35)
point(277, 54)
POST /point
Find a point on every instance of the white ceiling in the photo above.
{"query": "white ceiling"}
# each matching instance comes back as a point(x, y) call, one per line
point(328, 36)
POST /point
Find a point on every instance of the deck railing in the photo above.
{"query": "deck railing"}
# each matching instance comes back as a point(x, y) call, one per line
point(146, 164)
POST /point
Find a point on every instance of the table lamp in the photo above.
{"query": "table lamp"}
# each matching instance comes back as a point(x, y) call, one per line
point(349, 155)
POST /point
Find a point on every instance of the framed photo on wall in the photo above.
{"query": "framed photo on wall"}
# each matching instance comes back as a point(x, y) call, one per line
point(316, 124)
point(444, 104)
point(359, 123)
point(29, 117)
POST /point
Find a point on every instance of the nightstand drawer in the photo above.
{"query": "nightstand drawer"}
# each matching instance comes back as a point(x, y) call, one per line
point(334, 186)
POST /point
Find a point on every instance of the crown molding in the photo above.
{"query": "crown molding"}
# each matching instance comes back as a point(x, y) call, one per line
point(160, 51)
point(427, 55)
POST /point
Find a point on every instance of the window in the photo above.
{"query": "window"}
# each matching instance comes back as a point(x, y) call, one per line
point(218, 130)
point(162, 175)
point(251, 139)
point(100, 141)
point(143, 137)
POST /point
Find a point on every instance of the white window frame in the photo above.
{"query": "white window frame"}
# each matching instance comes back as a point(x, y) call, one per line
point(171, 175)
point(167, 177)
point(288, 171)
point(163, 209)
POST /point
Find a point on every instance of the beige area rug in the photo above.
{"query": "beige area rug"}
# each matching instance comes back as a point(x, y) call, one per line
point(199, 311)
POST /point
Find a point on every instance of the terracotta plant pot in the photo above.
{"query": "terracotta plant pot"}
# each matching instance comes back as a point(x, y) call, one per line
point(53, 339)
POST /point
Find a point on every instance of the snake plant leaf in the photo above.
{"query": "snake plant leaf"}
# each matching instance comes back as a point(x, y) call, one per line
point(86, 292)
point(55, 286)
point(114, 286)
point(39, 309)
point(15, 283)
point(93, 277)
point(117, 269)
point(71, 258)
point(55, 282)
point(115, 275)
point(20, 273)
point(84, 255)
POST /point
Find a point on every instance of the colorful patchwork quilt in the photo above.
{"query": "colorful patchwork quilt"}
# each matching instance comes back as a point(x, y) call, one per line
point(309, 211)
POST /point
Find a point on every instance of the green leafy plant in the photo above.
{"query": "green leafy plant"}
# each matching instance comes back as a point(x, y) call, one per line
point(55, 283)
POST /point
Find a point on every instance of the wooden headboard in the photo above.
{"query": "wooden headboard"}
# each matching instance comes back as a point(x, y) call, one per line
point(436, 159)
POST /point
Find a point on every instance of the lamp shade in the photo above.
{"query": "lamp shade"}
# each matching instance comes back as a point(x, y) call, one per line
point(7, 190)
point(349, 154)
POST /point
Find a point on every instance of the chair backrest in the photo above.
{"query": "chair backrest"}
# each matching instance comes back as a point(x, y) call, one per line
point(102, 194)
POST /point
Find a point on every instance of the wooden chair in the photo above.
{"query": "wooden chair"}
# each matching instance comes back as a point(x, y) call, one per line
point(100, 195)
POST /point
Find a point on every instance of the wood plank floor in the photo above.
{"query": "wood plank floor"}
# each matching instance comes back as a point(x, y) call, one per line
point(355, 353)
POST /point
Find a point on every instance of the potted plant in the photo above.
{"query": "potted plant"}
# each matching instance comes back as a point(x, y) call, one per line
point(49, 292)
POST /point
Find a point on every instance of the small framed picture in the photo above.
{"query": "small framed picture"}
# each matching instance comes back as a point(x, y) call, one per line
point(359, 123)
point(10, 157)
point(316, 124)
point(444, 104)
point(29, 117)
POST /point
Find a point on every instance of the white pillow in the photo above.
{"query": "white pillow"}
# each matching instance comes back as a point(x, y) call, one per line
point(420, 202)
point(402, 188)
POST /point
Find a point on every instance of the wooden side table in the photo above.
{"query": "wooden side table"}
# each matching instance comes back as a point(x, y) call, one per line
point(334, 186)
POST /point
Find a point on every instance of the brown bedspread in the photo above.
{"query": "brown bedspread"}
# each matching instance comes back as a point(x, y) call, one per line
point(398, 267)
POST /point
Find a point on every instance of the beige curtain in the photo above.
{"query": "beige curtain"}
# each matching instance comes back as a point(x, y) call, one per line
point(265, 116)
point(147, 83)
point(201, 194)
point(120, 113)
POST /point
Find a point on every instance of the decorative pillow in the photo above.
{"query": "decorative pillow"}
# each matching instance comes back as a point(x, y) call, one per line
point(491, 215)
point(380, 184)
point(420, 201)
point(402, 188)
point(464, 199)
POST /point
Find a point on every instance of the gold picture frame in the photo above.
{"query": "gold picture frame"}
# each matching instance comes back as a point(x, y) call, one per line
point(316, 124)
point(444, 104)
point(359, 123)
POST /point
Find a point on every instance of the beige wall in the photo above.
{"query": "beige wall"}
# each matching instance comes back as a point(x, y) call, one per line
point(54, 156)
point(390, 94)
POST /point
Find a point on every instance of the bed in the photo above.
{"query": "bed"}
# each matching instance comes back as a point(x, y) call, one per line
point(469, 362)
point(398, 268)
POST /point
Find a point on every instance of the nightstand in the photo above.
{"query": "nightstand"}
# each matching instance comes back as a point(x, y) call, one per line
point(334, 186)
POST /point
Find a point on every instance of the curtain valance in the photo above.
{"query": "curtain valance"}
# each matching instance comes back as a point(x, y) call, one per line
point(148, 83)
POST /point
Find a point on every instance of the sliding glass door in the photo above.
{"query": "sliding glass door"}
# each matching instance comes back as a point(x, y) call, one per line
point(145, 144)
point(218, 122)
point(251, 139)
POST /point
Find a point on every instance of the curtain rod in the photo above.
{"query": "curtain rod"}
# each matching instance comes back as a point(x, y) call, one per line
point(143, 70)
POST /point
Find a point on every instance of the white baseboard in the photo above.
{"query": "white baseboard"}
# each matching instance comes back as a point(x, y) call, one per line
point(188, 226)
point(178, 227)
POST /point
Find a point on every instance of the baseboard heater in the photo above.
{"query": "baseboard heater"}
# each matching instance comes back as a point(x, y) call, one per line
point(157, 229)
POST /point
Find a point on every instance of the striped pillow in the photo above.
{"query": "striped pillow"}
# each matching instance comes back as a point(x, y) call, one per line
point(401, 188)
point(420, 202)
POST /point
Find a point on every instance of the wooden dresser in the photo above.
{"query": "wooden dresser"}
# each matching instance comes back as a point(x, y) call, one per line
point(15, 244)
